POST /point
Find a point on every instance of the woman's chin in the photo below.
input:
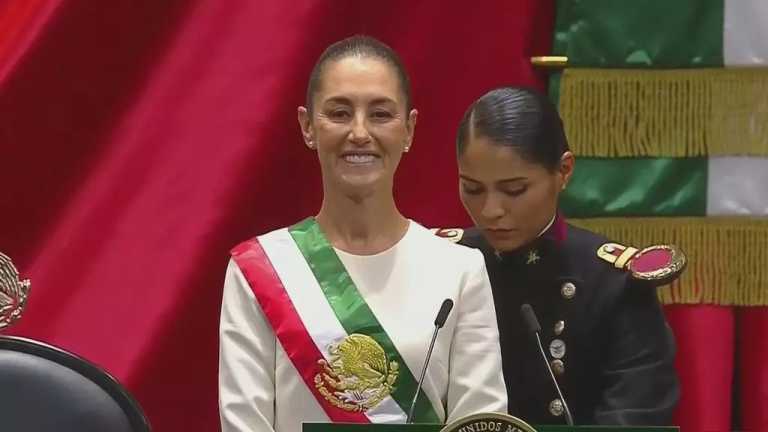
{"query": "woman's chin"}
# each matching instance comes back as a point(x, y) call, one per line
point(362, 182)
point(506, 244)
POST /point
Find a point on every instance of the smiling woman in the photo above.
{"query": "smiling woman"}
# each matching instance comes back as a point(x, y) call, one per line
point(330, 319)
point(359, 123)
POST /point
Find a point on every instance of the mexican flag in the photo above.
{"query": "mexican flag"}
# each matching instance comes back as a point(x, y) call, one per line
point(666, 108)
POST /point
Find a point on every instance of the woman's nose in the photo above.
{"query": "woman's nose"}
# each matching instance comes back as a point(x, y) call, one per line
point(359, 133)
point(492, 207)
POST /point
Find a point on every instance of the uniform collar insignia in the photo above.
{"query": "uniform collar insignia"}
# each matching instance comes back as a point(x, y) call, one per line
point(533, 257)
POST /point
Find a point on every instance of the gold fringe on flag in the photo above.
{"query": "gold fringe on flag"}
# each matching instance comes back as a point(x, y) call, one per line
point(666, 113)
point(727, 256)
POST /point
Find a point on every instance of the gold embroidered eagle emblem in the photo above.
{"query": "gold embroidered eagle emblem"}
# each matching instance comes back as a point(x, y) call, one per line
point(358, 374)
point(13, 292)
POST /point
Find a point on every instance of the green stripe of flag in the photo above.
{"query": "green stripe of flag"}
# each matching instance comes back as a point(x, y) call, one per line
point(640, 33)
point(353, 312)
point(604, 187)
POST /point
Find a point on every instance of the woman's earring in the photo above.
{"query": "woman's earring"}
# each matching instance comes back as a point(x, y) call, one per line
point(406, 149)
point(311, 144)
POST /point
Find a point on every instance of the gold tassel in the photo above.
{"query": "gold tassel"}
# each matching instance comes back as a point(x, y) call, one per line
point(665, 113)
point(727, 256)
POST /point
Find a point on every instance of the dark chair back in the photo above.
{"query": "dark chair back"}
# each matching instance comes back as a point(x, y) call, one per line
point(44, 388)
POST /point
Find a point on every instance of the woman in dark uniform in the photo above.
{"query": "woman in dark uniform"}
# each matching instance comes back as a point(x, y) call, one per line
point(602, 327)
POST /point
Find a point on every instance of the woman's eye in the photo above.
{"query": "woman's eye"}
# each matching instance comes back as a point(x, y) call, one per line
point(469, 190)
point(339, 114)
point(381, 115)
point(515, 192)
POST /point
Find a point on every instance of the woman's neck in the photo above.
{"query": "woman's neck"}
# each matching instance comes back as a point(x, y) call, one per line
point(361, 225)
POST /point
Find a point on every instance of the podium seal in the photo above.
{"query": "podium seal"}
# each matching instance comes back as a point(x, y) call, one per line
point(488, 422)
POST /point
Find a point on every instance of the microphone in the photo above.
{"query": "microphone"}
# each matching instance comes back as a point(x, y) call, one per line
point(442, 316)
point(532, 323)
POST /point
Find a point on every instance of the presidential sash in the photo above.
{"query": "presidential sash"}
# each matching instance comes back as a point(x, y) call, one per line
point(326, 328)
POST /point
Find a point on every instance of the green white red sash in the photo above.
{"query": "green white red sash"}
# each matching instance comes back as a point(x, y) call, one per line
point(326, 328)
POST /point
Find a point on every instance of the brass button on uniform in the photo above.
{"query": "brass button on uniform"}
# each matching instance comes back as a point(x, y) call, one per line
point(558, 367)
point(568, 290)
point(557, 348)
point(559, 327)
point(556, 408)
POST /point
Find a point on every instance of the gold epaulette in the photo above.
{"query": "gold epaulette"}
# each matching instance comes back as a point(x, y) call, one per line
point(452, 234)
point(658, 264)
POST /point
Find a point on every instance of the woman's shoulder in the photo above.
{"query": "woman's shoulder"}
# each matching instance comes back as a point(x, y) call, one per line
point(250, 242)
point(445, 244)
point(580, 241)
point(469, 237)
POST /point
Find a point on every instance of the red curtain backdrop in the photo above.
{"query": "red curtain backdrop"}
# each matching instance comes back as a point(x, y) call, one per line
point(705, 361)
point(140, 140)
point(752, 374)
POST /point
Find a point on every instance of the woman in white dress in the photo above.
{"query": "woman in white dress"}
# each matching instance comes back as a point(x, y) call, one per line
point(330, 319)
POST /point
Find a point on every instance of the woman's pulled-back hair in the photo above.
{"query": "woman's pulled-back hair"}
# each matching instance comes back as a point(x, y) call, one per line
point(358, 46)
point(519, 118)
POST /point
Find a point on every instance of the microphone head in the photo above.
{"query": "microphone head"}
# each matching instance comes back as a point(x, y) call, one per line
point(529, 318)
point(442, 315)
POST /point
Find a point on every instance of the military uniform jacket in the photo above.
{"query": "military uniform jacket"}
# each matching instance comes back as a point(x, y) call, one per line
point(603, 333)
